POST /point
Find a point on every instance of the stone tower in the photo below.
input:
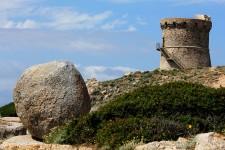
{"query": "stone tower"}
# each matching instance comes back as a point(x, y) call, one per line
point(185, 43)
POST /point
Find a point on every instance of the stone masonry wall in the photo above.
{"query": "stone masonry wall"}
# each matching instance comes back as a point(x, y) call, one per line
point(187, 40)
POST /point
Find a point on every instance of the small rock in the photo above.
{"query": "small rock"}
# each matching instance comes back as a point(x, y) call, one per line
point(128, 73)
point(210, 141)
point(11, 119)
point(204, 141)
point(11, 126)
point(104, 92)
point(134, 83)
point(27, 143)
point(106, 96)
point(163, 145)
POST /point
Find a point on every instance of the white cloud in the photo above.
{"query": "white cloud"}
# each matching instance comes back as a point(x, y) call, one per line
point(13, 8)
point(131, 29)
point(9, 24)
point(27, 24)
point(123, 69)
point(58, 18)
point(61, 18)
point(6, 24)
point(176, 2)
point(124, 1)
point(113, 24)
point(141, 21)
point(13, 4)
point(105, 73)
point(192, 2)
point(67, 19)
point(85, 45)
point(19, 40)
point(83, 42)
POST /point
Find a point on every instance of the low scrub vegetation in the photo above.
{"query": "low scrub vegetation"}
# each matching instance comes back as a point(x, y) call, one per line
point(151, 113)
point(8, 110)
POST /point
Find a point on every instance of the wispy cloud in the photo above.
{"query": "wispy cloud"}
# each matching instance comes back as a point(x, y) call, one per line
point(85, 45)
point(131, 28)
point(58, 41)
point(26, 24)
point(113, 24)
point(11, 10)
point(141, 21)
point(175, 2)
point(125, 1)
point(57, 18)
point(13, 4)
point(66, 19)
point(192, 2)
point(104, 72)
point(94, 42)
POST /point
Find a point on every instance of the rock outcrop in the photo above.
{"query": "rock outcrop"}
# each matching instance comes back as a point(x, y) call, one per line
point(180, 144)
point(27, 143)
point(204, 141)
point(11, 126)
point(48, 95)
point(101, 92)
point(210, 141)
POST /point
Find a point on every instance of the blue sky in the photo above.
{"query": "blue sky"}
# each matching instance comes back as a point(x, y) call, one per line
point(104, 38)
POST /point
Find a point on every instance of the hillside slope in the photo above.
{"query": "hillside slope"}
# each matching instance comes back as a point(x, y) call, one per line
point(150, 113)
point(103, 92)
point(8, 110)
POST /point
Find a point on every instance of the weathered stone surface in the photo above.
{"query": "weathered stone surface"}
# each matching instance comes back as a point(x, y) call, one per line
point(165, 145)
point(204, 141)
point(185, 43)
point(27, 143)
point(11, 119)
point(180, 144)
point(48, 95)
point(210, 141)
point(11, 126)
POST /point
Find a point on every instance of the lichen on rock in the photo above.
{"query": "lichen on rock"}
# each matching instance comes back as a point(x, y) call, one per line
point(48, 95)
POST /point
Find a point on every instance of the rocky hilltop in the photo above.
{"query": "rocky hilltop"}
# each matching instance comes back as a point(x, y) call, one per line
point(103, 92)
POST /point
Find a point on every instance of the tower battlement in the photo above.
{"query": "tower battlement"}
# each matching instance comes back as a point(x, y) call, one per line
point(194, 24)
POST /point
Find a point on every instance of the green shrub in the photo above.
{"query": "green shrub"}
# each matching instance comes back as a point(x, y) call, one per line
point(113, 133)
point(153, 112)
point(8, 110)
point(81, 130)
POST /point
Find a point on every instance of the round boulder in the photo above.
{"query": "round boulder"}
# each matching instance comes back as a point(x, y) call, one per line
point(49, 95)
